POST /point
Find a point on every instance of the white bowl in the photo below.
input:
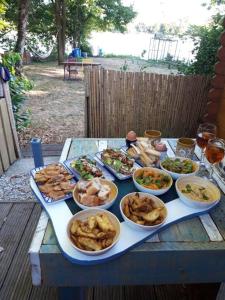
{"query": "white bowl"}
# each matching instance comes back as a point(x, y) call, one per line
point(112, 196)
point(136, 226)
point(178, 175)
point(83, 215)
point(148, 190)
point(214, 191)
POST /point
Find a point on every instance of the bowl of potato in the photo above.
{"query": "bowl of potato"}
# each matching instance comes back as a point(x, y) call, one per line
point(143, 211)
point(93, 231)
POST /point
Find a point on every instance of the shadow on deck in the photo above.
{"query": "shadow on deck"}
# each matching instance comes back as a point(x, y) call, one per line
point(17, 224)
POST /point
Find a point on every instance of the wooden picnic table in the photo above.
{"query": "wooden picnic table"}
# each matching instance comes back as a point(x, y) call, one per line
point(192, 251)
point(68, 64)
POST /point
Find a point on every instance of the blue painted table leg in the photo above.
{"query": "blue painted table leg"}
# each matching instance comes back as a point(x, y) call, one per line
point(37, 152)
point(71, 293)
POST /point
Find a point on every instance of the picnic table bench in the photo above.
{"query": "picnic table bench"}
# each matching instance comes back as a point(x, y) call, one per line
point(192, 251)
point(67, 65)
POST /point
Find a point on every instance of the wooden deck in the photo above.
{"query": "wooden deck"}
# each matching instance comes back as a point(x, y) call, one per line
point(17, 224)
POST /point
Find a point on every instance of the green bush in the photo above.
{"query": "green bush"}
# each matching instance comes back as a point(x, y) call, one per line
point(18, 86)
point(206, 41)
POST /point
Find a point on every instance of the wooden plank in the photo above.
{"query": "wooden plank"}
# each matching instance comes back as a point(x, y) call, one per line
point(221, 292)
point(49, 237)
point(11, 234)
point(43, 293)
point(139, 292)
point(17, 283)
point(104, 293)
point(211, 228)
point(35, 247)
point(8, 131)
point(65, 151)
point(188, 291)
point(11, 117)
point(164, 263)
point(1, 166)
point(3, 147)
point(4, 211)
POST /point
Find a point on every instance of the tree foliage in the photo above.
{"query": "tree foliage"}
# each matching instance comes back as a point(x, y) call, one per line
point(206, 41)
point(3, 7)
point(82, 17)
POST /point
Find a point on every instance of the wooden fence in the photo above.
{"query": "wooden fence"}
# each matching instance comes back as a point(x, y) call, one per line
point(117, 102)
point(9, 146)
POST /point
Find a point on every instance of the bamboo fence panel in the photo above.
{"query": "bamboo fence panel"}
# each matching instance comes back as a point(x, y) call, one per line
point(117, 102)
point(9, 146)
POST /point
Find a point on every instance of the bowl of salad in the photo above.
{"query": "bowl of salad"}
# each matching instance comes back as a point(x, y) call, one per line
point(152, 180)
point(179, 166)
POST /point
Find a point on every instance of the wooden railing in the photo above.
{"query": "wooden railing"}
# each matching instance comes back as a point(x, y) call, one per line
point(117, 102)
point(9, 146)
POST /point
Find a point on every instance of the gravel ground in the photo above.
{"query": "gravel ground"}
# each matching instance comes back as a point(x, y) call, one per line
point(14, 184)
point(15, 188)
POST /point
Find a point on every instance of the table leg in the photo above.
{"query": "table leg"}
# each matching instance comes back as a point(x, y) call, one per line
point(71, 293)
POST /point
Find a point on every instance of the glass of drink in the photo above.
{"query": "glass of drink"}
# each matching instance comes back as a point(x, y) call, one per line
point(215, 151)
point(206, 131)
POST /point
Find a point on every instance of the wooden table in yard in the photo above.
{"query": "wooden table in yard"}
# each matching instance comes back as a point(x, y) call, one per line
point(192, 251)
point(70, 64)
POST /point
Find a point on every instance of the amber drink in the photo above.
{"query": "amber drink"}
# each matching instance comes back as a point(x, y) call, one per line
point(214, 154)
point(203, 137)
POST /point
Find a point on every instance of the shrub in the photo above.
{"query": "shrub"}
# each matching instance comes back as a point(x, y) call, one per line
point(18, 85)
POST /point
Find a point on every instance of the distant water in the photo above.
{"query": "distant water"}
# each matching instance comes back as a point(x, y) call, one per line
point(135, 43)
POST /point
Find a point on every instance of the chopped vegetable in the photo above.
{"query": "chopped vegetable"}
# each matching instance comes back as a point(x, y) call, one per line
point(118, 160)
point(86, 168)
point(178, 166)
point(153, 180)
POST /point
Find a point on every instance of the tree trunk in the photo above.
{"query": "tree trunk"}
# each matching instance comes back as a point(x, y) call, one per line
point(60, 19)
point(22, 28)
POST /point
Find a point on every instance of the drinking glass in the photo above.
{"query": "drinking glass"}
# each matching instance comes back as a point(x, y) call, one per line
point(206, 131)
point(215, 151)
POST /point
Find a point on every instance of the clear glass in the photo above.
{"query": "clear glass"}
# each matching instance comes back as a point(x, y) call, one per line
point(205, 132)
point(215, 151)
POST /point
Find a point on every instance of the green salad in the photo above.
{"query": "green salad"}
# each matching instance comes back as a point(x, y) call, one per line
point(178, 166)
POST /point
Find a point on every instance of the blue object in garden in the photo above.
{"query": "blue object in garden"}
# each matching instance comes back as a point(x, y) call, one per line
point(84, 54)
point(76, 52)
point(37, 152)
point(4, 74)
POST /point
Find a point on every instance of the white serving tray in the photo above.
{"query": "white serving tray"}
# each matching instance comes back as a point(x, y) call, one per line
point(60, 214)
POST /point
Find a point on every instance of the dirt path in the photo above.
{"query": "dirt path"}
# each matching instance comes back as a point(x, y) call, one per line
point(57, 106)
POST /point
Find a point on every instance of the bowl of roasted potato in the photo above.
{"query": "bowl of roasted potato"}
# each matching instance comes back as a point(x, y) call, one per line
point(152, 180)
point(93, 231)
point(143, 211)
point(95, 193)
